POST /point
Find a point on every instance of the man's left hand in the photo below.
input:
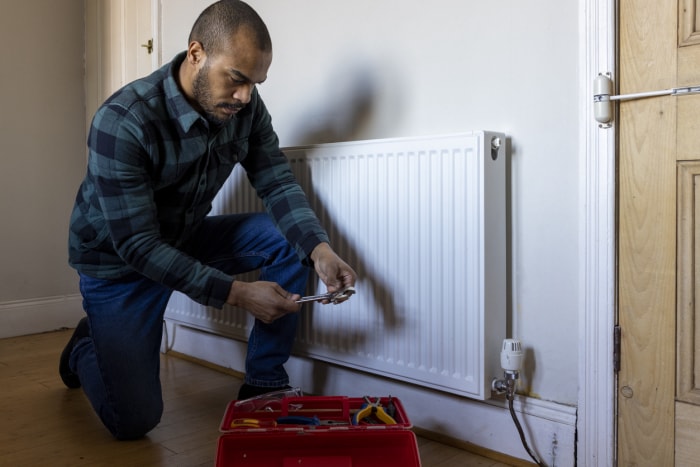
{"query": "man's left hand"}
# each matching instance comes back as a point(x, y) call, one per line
point(333, 271)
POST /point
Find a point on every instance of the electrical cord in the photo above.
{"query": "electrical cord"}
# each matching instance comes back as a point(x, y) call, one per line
point(521, 432)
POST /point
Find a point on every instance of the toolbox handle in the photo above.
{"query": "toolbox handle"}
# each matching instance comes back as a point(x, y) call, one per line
point(337, 406)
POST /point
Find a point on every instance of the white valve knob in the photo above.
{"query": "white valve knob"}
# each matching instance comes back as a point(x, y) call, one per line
point(511, 355)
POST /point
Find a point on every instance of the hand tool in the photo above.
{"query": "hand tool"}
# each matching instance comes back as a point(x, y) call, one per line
point(372, 408)
point(298, 420)
point(391, 408)
point(333, 297)
point(252, 423)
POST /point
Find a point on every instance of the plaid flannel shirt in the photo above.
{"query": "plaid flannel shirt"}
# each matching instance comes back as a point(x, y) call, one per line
point(154, 167)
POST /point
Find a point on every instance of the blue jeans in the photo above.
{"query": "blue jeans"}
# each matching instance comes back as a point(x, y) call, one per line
point(119, 363)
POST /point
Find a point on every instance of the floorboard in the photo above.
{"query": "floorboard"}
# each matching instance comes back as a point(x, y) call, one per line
point(44, 423)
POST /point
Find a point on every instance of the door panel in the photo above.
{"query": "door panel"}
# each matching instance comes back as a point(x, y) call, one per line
point(646, 274)
point(114, 33)
point(138, 60)
point(687, 429)
point(688, 22)
point(687, 414)
point(646, 235)
point(688, 75)
point(658, 263)
point(688, 282)
point(688, 127)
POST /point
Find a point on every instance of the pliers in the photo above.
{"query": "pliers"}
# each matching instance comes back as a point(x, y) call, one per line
point(372, 408)
point(333, 297)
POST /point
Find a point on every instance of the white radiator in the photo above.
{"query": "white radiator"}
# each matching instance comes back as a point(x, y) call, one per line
point(422, 221)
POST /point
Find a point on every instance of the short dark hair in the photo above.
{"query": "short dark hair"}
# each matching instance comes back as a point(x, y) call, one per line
point(220, 21)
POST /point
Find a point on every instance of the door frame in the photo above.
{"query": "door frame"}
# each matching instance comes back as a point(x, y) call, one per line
point(597, 405)
point(106, 48)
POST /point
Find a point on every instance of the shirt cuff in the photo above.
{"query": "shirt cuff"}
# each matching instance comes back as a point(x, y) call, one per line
point(307, 245)
point(219, 291)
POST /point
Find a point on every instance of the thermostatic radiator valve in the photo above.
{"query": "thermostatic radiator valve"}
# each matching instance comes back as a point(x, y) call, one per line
point(511, 361)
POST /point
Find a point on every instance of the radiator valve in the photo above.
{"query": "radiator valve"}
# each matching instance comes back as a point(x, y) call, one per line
point(511, 361)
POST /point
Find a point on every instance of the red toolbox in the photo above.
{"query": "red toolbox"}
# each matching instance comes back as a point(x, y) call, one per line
point(317, 432)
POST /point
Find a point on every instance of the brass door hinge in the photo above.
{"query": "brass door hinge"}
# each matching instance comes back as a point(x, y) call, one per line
point(617, 337)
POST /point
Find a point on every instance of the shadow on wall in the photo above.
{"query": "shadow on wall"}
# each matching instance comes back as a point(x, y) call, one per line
point(347, 113)
point(348, 110)
point(346, 107)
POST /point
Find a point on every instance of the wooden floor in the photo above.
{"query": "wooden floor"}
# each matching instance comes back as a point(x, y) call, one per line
point(43, 423)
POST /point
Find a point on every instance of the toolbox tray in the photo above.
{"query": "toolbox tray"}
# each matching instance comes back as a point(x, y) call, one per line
point(336, 408)
point(362, 445)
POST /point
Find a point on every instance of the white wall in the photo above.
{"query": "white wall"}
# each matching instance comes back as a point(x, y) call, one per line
point(342, 71)
point(374, 69)
point(42, 158)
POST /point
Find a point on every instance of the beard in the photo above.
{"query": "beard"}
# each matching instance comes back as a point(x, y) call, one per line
point(201, 90)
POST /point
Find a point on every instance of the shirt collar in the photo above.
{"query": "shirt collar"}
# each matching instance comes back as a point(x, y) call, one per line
point(178, 106)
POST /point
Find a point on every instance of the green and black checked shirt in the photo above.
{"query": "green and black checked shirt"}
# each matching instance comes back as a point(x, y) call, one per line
point(154, 167)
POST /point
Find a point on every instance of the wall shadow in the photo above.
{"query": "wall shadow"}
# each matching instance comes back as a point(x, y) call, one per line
point(351, 112)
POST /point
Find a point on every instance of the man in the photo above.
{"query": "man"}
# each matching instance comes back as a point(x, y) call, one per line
point(160, 150)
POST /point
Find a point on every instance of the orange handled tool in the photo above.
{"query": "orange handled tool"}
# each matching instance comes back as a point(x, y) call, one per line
point(373, 408)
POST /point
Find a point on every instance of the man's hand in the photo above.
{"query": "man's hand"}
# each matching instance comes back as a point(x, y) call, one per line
point(267, 301)
point(333, 271)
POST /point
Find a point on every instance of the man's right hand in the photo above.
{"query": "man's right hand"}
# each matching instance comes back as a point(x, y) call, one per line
point(266, 301)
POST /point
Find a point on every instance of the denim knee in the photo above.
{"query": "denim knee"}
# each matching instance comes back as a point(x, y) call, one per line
point(135, 424)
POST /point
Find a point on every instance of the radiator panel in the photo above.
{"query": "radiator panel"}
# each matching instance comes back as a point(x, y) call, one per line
point(422, 220)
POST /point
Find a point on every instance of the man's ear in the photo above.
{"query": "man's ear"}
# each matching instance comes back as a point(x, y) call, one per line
point(195, 54)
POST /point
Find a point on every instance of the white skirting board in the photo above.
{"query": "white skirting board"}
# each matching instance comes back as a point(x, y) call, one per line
point(550, 428)
point(23, 317)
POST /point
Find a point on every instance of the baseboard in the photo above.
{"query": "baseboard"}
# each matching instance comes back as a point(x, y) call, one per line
point(550, 428)
point(23, 317)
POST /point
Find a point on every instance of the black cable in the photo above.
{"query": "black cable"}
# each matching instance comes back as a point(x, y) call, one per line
point(522, 434)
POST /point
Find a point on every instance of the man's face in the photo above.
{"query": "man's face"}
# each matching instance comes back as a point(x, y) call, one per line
point(224, 83)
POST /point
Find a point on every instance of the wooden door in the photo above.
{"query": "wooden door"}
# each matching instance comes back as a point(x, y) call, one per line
point(659, 198)
point(116, 46)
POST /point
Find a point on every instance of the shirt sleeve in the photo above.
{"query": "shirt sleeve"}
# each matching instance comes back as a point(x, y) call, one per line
point(271, 176)
point(124, 188)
